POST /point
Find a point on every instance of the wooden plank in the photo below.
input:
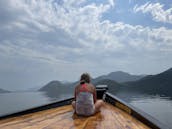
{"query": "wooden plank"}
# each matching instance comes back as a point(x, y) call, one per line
point(63, 117)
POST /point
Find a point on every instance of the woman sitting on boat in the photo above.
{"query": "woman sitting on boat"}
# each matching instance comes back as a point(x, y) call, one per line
point(86, 102)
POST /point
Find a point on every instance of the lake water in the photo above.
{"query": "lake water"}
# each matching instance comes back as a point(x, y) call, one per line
point(19, 101)
point(157, 106)
point(160, 107)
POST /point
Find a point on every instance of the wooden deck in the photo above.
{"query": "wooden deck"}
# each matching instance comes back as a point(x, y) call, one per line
point(63, 117)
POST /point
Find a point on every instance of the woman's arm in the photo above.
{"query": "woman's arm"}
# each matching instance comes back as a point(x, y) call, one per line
point(76, 91)
point(75, 94)
point(94, 95)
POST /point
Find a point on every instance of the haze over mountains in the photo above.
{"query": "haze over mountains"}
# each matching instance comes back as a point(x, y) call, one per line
point(122, 82)
point(159, 84)
point(54, 88)
point(119, 76)
point(118, 82)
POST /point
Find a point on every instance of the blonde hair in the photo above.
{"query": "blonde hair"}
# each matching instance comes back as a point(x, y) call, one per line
point(85, 78)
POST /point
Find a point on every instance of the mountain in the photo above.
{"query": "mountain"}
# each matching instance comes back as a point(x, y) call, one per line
point(113, 86)
point(3, 91)
point(119, 76)
point(55, 88)
point(154, 84)
point(159, 84)
point(51, 86)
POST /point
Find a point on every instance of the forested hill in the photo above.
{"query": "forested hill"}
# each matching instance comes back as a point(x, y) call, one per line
point(159, 83)
point(55, 88)
point(151, 84)
point(113, 86)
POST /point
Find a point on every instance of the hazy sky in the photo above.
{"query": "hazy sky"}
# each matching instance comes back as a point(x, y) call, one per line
point(44, 40)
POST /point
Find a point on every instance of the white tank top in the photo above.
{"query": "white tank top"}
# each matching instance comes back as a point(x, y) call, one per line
point(85, 104)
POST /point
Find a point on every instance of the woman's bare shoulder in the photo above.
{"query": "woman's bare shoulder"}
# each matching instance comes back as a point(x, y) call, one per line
point(92, 86)
point(77, 86)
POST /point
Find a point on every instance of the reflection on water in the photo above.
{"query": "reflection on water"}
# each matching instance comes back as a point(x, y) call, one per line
point(19, 101)
point(56, 96)
point(160, 107)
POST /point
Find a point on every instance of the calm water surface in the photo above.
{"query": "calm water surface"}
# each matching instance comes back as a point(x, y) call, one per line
point(19, 101)
point(157, 106)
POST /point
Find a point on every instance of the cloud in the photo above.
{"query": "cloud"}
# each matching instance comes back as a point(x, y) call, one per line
point(69, 25)
point(61, 39)
point(157, 12)
point(111, 2)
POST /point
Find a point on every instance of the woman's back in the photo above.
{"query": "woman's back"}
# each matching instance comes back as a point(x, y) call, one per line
point(85, 103)
point(85, 97)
